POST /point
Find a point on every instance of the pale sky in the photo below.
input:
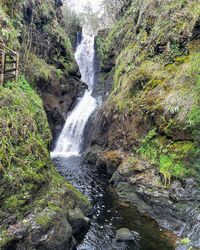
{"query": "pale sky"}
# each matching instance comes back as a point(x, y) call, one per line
point(79, 4)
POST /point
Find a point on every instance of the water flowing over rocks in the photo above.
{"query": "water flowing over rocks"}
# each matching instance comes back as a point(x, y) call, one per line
point(134, 97)
point(71, 138)
point(138, 182)
point(83, 173)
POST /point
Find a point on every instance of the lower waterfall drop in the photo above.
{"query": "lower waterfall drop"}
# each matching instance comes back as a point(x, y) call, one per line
point(71, 138)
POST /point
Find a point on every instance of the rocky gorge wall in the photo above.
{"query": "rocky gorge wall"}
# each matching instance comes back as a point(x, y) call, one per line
point(37, 29)
point(38, 208)
point(147, 132)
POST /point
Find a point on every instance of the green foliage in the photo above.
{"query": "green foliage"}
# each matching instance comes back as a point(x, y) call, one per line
point(4, 238)
point(194, 114)
point(157, 77)
point(24, 157)
point(29, 182)
point(13, 202)
point(45, 47)
point(8, 33)
point(174, 52)
point(169, 164)
point(169, 156)
point(44, 220)
point(39, 69)
point(185, 241)
point(148, 150)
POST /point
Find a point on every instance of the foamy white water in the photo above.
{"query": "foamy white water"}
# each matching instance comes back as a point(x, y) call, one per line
point(71, 138)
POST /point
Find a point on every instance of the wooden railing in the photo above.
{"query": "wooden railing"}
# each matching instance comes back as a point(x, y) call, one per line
point(9, 64)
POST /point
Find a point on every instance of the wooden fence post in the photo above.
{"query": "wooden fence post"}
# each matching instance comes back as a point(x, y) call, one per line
point(2, 67)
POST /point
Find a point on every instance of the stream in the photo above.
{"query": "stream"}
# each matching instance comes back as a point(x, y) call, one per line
point(110, 214)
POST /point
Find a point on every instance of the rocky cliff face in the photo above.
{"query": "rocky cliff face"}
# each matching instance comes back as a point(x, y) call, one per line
point(149, 125)
point(38, 208)
point(46, 53)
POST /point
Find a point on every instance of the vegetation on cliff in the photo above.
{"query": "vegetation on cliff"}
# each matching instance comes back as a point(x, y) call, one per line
point(35, 199)
point(151, 57)
point(154, 50)
point(38, 31)
point(29, 182)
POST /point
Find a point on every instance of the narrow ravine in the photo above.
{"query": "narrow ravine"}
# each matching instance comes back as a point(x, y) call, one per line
point(109, 213)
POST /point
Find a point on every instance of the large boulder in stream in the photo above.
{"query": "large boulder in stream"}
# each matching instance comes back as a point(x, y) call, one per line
point(124, 234)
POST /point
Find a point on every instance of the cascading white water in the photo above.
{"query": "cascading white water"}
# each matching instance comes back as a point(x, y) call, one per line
point(71, 137)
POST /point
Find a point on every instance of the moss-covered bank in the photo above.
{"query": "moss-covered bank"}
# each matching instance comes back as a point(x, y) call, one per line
point(155, 50)
point(34, 198)
point(151, 116)
point(33, 195)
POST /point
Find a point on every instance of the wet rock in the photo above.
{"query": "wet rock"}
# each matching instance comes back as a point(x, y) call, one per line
point(10, 220)
point(124, 234)
point(77, 220)
point(131, 165)
point(17, 230)
point(56, 235)
point(147, 177)
point(90, 158)
point(116, 178)
point(188, 191)
point(59, 97)
point(109, 160)
point(164, 107)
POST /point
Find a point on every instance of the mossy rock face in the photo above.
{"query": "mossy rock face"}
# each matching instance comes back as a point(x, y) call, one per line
point(35, 199)
point(24, 140)
point(37, 30)
point(154, 52)
point(152, 112)
point(32, 192)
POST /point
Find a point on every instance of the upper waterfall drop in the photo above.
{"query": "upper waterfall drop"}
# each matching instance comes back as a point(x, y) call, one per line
point(84, 56)
point(71, 137)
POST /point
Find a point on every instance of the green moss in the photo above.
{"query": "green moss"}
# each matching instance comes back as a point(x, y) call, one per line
point(44, 220)
point(8, 33)
point(38, 68)
point(14, 202)
point(29, 181)
point(194, 114)
point(157, 75)
point(171, 158)
point(45, 51)
point(4, 238)
point(185, 241)
point(169, 164)
point(24, 157)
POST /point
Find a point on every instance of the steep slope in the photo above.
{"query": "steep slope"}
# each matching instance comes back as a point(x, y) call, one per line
point(35, 199)
point(149, 125)
point(37, 30)
point(38, 208)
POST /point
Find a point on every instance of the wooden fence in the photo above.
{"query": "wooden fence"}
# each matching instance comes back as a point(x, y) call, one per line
point(9, 64)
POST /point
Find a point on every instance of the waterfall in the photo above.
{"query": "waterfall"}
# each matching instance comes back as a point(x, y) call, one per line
point(71, 138)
